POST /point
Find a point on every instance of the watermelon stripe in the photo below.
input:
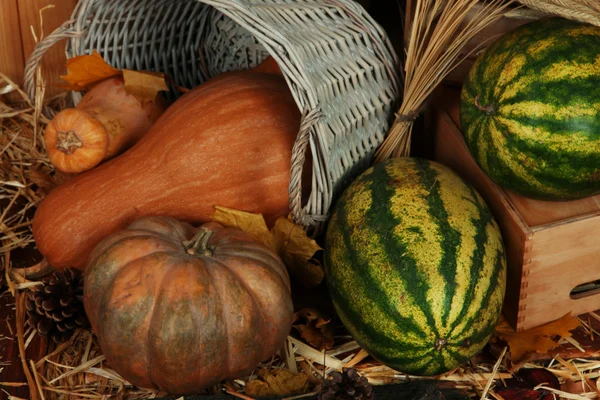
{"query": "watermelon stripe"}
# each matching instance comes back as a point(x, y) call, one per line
point(381, 219)
point(550, 118)
point(355, 324)
point(574, 159)
point(517, 161)
point(450, 237)
point(481, 237)
point(456, 355)
point(364, 270)
point(559, 93)
point(498, 269)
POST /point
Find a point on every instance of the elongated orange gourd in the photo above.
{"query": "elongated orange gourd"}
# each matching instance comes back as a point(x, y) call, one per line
point(227, 142)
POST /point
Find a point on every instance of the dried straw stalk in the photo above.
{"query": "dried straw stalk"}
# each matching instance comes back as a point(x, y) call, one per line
point(435, 41)
point(587, 11)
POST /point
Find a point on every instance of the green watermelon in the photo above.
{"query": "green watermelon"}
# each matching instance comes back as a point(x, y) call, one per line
point(530, 110)
point(415, 266)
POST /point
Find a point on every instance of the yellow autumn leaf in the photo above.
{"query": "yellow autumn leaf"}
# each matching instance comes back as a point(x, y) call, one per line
point(297, 251)
point(253, 224)
point(286, 238)
point(86, 70)
point(144, 85)
point(537, 340)
point(279, 382)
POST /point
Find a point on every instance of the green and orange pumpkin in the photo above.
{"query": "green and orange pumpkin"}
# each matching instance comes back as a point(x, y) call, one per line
point(180, 309)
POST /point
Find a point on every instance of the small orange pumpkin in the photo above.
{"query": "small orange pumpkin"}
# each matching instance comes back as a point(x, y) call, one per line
point(181, 309)
point(106, 122)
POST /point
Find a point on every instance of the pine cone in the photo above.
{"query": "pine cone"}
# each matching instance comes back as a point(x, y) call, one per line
point(55, 309)
point(348, 385)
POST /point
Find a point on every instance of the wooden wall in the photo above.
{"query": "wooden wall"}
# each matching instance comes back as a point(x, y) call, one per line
point(17, 19)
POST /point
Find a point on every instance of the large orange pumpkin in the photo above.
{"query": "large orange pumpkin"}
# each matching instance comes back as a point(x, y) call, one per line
point(181, 309)
point(227, 142)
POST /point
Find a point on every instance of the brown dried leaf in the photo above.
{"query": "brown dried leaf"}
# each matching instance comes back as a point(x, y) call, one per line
point(314, 327)
point(144, 85)
point(287, 239)
point(45, 181)
point(537, 340)
point(297, 251)
point(86, 70)
point(280, 382)
point(253, 224)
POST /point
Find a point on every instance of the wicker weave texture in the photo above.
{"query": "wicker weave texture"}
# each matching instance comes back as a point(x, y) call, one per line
point(338, 63)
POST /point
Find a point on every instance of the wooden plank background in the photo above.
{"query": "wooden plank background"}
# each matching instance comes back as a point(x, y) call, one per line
point(17, 19)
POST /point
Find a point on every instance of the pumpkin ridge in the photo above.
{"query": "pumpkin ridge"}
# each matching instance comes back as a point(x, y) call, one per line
point(281, 272)
point(108, 294)
point(256, 301)
point(104, 250)
point(148, 345)
point(225, 320)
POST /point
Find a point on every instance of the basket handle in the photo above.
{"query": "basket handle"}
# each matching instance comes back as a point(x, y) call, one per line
point(309, 119)
point(65, 31)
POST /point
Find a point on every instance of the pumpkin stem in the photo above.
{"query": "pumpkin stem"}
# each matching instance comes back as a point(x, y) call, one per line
point(199, 243)
point(68, 142)
point(489, 109)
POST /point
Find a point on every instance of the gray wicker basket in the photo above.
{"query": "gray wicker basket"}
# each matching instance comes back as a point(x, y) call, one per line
point(337, 61)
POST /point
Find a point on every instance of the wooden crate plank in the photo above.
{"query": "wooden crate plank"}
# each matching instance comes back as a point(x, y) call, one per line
point(11, 48)
point(563, 256)
point(53, 63)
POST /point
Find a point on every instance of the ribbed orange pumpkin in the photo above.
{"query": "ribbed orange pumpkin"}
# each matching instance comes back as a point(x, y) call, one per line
point(181, 309)
point(227, 142)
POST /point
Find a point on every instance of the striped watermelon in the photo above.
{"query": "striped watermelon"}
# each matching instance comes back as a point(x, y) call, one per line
point(530, 110)
point(415, 266)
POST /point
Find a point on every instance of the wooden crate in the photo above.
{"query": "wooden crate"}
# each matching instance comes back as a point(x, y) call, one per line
point(17, 20)
point(552, 247)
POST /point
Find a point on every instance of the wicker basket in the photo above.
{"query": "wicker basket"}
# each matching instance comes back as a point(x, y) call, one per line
point(338, 63)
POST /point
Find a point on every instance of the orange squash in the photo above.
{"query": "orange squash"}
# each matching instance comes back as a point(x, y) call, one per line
point(180, 309)
point(227, 142)
point(106, 122)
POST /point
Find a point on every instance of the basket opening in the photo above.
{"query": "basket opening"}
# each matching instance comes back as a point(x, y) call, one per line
point(188, 40)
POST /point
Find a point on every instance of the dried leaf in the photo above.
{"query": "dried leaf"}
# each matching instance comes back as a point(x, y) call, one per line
point(287, 239)
point(86, 70)
point(536, 340)
point(253, 224)
point(524, 394)
point(45, 181)
point(297, 251)
point(41, 179)
point(538, 376)
point(144, 85)
point(280, 382)
point(314, 327)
